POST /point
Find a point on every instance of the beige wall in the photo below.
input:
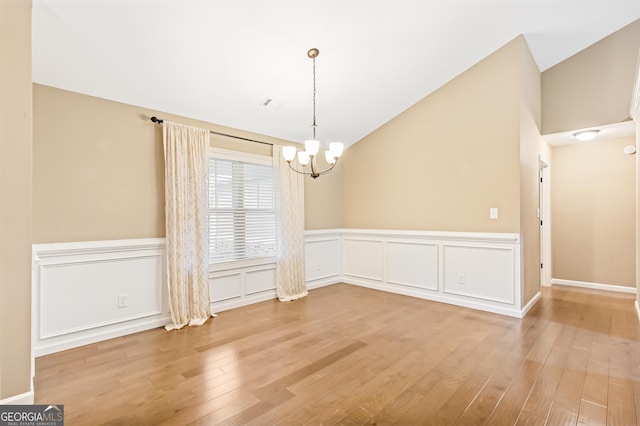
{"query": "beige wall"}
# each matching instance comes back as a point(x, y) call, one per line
point(473, 144)
point(441, 164)
point(593, 212)
point(15, 197)
point(98, 170)
point(323, 200)
point(592, 87)
point(532, 148)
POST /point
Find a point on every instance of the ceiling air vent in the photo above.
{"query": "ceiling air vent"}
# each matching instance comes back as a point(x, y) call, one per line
point(269, 103)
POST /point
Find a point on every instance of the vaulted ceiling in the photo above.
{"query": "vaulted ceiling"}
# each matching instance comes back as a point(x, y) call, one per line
point(218, 60)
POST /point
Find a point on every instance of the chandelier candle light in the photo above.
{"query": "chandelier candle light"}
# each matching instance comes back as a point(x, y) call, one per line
point(312, 146)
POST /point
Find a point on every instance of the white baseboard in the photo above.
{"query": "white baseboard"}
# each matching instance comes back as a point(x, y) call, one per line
point(98, 335)
point(26, 398)
point(435, 297)
point(594, 286)
point(530, 305)
point(222, 306)
point(225, 305)
point(324, 282)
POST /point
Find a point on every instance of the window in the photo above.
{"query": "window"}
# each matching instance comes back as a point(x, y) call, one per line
point(242, 216)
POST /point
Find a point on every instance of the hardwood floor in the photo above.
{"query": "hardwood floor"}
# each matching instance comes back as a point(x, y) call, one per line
point(350, 355)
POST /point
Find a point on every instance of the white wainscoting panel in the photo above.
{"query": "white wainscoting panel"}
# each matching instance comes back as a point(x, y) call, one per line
point(471, 269)
point(225, 287)
point(482, 272)
point(412, 263)
point(323, 257)
point(260, 280)
point(241, 286)
point(84, 294)
point(91, 291)
point(363, 258)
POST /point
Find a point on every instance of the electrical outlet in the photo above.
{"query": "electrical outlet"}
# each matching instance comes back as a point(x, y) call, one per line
point(317, 267)
point(493, 213)
point(461, 278)
point(122, 300)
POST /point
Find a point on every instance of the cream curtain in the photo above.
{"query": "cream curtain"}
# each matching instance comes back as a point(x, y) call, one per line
point(290, 273)
point(186, 210)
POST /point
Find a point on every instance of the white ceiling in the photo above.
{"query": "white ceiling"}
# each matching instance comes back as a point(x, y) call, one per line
point(217, 60)
point(607, 132)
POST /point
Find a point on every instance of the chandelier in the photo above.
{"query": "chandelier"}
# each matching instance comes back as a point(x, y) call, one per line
point(312, 146)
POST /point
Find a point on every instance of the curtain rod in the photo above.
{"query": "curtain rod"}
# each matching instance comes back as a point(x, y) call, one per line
point(159, 121)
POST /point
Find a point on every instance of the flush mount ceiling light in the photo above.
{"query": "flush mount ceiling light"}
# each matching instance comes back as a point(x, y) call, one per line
point(586, 135)
point(312, 146)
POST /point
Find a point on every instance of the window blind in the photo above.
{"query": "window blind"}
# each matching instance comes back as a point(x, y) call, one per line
point(242, 217)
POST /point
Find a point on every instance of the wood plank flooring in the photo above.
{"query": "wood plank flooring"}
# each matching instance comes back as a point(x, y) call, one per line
point(349, 355)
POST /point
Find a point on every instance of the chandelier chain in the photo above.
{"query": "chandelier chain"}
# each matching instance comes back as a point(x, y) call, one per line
point(314, 125)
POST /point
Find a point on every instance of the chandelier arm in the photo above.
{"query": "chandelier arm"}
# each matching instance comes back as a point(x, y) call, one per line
point(298, 171)
point(313, 173)
point(329, 169)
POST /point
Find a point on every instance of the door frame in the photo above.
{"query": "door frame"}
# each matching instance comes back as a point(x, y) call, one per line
point(544, 216)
